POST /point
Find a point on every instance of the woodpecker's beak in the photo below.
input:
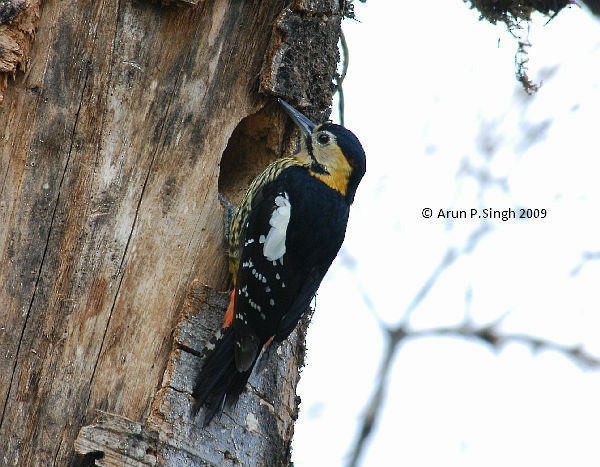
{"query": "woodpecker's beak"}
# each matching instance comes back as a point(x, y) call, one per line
point(301, 120)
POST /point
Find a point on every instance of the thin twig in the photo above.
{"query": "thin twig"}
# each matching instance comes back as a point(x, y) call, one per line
point(451, 255)
point(491, 336)
point(375, 404)
point(586, 256)
point(342, 76)
point(486, 334)
point(398, 333)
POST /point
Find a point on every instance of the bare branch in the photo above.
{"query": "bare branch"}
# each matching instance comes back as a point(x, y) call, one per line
point(486, 334)
point(451, 255)
point(586, 257)
point(395, 335)
point(490, 335)
point(375, 404)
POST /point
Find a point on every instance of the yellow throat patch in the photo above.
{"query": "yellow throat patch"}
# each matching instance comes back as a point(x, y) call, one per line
point(338, 168)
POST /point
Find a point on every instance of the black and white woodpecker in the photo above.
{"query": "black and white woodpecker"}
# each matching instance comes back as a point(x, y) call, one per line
point(283, 237)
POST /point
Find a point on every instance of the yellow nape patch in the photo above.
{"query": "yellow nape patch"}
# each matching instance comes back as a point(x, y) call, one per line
point(336, 164)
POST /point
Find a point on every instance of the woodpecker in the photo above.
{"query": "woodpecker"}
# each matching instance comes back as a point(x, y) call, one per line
point(283, 237)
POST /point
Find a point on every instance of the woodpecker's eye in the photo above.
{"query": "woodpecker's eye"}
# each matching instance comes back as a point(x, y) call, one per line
point(323, 138)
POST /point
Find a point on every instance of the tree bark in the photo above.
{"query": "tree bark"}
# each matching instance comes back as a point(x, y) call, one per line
point(121, 120)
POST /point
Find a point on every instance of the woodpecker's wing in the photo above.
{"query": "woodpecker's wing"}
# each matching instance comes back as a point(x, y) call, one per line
point(305, 294)
point(315, 235)
point(260, 296)
point(294, 230)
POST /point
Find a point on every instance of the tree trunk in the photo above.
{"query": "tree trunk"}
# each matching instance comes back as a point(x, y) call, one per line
point(121, 120)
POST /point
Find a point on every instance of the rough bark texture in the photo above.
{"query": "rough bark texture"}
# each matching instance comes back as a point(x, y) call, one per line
point(17, 26)
point(257, 432)
point(110, 146)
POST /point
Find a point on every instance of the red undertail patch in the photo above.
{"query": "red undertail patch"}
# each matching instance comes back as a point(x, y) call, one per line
point(228, 319)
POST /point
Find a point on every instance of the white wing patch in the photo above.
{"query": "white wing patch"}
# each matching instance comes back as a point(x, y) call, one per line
point(274, 242)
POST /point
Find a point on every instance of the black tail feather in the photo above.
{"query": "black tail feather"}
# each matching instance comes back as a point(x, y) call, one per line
point(219, 381)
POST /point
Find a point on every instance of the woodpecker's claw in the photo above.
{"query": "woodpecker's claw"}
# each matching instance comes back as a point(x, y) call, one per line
point(228, 215)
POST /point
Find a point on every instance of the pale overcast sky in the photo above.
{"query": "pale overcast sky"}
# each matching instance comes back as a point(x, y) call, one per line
point(431, 94)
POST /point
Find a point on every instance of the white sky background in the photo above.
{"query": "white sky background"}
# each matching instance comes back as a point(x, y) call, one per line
point(432, 96)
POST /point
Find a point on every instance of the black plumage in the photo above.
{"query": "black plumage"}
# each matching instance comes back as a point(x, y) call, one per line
point(293, 227)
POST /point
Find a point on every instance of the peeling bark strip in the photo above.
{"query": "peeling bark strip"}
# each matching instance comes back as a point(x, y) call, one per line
point(110, 149)
point(18, 20)
point(117, 441)
point(257, 431)
point(305, 38)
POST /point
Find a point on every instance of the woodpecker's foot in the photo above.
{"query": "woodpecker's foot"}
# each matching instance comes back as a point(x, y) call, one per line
point(229, 212)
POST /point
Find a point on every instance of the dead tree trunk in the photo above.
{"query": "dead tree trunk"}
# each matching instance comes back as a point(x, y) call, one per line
point(120, 122)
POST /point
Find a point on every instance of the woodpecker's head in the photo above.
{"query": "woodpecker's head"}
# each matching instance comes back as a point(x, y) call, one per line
point(334, 154)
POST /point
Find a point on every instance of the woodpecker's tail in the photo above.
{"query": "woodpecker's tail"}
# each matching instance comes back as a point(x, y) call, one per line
point(219, 381)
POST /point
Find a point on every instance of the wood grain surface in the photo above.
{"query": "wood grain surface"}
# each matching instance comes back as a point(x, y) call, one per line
point(110, 148)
